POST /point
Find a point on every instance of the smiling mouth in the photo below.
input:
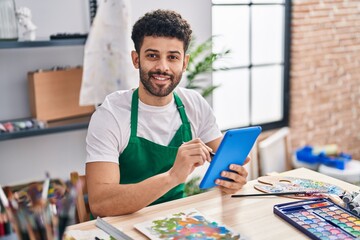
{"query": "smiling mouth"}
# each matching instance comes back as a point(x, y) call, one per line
point(161, 77)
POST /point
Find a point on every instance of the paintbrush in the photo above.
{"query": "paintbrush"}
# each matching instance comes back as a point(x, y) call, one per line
point(5, 202)
point(45, 189)
point(278, 194)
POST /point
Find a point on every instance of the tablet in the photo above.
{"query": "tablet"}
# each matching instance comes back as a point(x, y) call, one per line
point(234, 148)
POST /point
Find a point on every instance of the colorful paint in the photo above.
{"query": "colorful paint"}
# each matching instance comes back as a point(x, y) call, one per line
point(188, 224)
point(320, 219)
point(275, 184)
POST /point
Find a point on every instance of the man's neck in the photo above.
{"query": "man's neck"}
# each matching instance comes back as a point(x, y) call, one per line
point(152, 100)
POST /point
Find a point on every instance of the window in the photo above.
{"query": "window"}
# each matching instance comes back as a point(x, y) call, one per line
point(255, 88)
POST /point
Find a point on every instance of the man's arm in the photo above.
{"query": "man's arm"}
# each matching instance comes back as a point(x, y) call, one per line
point(109, 198)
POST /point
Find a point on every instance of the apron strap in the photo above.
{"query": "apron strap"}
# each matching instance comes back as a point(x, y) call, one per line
point(186, 129)
point(180, 106)
point(181, 109)
point(134, 112)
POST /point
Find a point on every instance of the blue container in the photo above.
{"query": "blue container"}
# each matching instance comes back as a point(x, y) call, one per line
point(306, 155)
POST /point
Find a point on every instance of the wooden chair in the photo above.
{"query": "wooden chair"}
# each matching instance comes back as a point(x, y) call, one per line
point(82, 204)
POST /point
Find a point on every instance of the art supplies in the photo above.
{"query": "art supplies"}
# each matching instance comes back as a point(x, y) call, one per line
point(352, 202)
point(5, 227)
point(327, 156)
point(111, 230)
point(9, 222)
point(66, 208)
point(300, 193)
point(320, 219)
point(86, 235)
point(276, 184)
point(45, 189)
point(188, 224)
point(38, 210)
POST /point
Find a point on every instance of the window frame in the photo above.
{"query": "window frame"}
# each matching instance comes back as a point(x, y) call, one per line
point(286, 62)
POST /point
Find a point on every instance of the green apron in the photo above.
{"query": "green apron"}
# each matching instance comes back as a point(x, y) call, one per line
point(143, 159)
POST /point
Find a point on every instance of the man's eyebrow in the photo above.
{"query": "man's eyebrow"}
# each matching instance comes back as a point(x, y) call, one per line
point(154, 50)
point(175, 52)
point(151, 50)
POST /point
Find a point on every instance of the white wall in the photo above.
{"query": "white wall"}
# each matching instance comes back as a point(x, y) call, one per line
point(196, 12)
point(28, 158)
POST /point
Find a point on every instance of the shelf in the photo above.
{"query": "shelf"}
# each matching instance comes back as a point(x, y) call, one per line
point(52, 127)
point(42, 43)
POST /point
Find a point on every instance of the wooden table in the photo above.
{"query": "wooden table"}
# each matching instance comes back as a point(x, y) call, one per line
point(252, 217)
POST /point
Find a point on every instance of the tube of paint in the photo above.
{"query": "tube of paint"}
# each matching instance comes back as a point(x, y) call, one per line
point(357, 198)
point(356, 211)
point(347, 198)
point(336, 199)
point(353, 205)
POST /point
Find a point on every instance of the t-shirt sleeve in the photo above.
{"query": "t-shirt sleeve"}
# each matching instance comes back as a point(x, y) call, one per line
point(103, 138)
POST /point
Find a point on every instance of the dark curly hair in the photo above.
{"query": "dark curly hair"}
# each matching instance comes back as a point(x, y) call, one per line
point(161, 23)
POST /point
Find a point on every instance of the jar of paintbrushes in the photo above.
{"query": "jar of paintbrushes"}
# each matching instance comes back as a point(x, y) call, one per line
point(38, 211)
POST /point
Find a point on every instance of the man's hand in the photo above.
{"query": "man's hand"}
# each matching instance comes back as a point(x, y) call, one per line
point(238, 176)
point(190, 155)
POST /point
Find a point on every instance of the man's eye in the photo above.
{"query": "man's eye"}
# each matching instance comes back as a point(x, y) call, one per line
point(151, 55)
point(173, 57)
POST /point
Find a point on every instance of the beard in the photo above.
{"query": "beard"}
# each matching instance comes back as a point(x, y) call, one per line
point(159, 90)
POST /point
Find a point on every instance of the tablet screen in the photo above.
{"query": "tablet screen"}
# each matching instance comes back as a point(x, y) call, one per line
point(234, 148)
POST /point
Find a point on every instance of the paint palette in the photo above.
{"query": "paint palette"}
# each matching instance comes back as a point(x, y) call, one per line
point(277, 184)
point(320, 219)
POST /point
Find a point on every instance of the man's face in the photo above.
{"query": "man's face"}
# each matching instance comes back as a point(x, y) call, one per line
point(161, 63)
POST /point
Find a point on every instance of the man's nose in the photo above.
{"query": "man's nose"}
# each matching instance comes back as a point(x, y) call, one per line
point(162, 65)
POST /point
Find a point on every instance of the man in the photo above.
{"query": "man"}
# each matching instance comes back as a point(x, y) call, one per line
point(150, 139)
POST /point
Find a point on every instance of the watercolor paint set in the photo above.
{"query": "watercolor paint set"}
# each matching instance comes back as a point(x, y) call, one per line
point(320, 219)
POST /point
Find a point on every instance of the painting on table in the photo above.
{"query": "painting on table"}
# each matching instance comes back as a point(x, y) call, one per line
point(189, 224)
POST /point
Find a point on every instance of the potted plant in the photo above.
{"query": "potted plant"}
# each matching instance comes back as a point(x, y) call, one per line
point(202, 60)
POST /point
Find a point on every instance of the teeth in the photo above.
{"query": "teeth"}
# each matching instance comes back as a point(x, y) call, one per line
point(161, 78)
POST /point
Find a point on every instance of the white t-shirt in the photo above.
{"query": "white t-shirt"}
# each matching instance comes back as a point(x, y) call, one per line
point(109, 128)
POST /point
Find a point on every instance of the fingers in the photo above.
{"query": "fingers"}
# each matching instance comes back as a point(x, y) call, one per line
point(208, 148)
point(237, 179)
point(199, 145)
point(190, 155)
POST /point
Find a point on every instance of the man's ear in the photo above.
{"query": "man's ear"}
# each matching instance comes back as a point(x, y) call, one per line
point(135, 59)
point(186, 61)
